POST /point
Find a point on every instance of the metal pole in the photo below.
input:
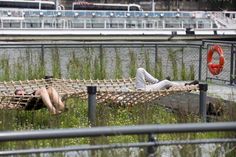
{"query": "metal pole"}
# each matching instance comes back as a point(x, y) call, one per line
point(116, 130)
point(200, 64)
point(231, 65)
point(156, 59)
point(203, 87)
point(42, 55)
point(92, 90)
point(101, 62)
point(151, 149)
point(153, 5)
point(234, 74)
point(206, 65)
point(56, 4)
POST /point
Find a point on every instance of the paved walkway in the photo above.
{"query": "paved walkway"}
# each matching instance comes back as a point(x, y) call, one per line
point(225, 92)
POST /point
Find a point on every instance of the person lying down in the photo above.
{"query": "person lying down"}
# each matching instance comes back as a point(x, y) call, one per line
point(146, 82)
point(49, 98)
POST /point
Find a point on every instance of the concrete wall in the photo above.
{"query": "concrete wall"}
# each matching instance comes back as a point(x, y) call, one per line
point(185, 103)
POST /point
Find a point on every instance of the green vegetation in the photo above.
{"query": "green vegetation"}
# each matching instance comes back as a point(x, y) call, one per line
point(177, 61)
point(173, 59)
point(118, 68)
point(76, 117)
point(94, 65)
point(133, 63)
point(56, 63)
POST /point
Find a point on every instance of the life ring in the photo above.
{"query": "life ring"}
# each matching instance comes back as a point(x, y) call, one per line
point(215, 69)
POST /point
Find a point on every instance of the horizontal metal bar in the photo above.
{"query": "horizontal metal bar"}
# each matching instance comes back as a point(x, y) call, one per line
point(115, 146)
point(218, 41)
point(218, 79)
point(100, 43)
point(116, 130)
point(96, 45)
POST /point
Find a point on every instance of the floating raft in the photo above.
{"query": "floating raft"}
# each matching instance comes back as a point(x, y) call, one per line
point(117, 92)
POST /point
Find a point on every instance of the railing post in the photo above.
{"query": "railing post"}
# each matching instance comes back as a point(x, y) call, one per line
point(42, 55)
point(156, 59)
point(151, 149)
point(92, 90)
point(101, 61)
point(232, 60)
point(234, 74)
point(203, 87)
point(200, 64)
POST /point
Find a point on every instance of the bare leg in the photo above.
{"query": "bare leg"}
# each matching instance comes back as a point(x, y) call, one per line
point(55, 99)
point(46, 99)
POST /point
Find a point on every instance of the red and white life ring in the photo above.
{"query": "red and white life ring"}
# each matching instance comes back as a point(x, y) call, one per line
point(215, 69)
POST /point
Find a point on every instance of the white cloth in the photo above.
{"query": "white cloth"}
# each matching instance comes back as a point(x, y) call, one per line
point(142, 77)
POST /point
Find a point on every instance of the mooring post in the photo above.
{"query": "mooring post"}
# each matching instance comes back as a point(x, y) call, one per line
point(151, 149)
point(92, 90)
point(203, 87)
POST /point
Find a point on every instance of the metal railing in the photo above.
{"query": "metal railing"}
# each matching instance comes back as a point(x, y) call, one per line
point(231, 53)
point(196, 56)
point(70, 19)
point(118, 130)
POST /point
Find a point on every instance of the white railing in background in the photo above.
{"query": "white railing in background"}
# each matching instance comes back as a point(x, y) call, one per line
point(69, 19)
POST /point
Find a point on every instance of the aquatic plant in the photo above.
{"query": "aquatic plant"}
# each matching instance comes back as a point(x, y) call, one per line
point(159, 69)
point(147, 61)
point(133, 63)
point(191, 72)
point(173, 59)
point(5, 68)
point(118, 64)
point(73, 66)
point(56, 70)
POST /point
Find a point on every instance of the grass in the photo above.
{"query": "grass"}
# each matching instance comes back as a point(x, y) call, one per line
point(93, 65)
point(76, 117)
